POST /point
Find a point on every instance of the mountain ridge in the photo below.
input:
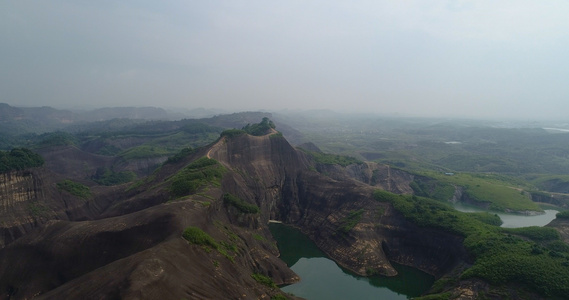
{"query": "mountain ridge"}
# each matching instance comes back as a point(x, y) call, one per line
point(133, 232)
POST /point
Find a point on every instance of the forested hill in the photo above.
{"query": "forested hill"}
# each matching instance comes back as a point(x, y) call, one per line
point(19, 159)
point(20, 120)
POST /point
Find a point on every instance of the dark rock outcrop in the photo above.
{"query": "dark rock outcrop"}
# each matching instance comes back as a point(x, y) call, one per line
point(126, 242)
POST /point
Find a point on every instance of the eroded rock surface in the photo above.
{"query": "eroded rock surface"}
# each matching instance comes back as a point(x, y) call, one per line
point(126, 242)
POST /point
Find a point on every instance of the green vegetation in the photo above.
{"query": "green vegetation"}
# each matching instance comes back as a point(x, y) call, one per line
point(259, 237)
point(37, 209)
point(554, 183)
point(144, 151)
point(279, 297)
point(185, 152)
point(563, 214)
point(331, 159)
point(261, 128)
point(141, 182)
point(57, 138)
point(196, 236)
point(535, 233)
point(496, 191)
point(233, 132)
point(202, 163)
point(241, 205)
point(109, 150)
point(262, 279)
point(485, 217)
point(434, 189)
point(106, 176)
point(19, 159)
point(276, 135)
point(501, 255)
point(350, 221)
point(199, 173)
point(75, 188)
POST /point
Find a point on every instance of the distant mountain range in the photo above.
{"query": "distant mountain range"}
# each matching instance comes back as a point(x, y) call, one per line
point(18, 120)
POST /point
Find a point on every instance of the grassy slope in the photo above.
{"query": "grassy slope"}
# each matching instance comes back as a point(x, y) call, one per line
point(500, 191)
point(528, 256)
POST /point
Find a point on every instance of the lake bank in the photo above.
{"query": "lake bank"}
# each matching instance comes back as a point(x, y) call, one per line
point(322, 278)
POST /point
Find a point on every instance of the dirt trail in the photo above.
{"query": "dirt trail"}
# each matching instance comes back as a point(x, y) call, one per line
point(215, 147)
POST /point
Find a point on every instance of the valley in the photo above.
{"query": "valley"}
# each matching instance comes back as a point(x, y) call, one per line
point(180, 209)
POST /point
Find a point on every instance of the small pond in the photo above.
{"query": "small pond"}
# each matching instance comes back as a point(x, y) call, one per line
point(322, 278)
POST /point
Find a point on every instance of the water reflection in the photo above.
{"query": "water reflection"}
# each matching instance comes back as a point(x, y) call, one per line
point(322, 278)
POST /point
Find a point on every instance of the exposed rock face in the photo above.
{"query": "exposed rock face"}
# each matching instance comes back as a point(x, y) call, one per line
point(430, 250)
point(279, 180)
point(561, 200)
point(374, 174)
point(458, 192)
point(30, 198)
point(17, 187)
point(129, 245)
point(24, 202)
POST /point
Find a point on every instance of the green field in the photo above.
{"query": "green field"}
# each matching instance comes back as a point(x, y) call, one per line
point(499, 192)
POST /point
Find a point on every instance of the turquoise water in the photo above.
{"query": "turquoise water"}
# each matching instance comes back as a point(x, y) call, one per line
point(322, 278)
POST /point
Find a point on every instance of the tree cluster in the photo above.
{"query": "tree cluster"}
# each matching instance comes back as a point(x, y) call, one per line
point(19, 159)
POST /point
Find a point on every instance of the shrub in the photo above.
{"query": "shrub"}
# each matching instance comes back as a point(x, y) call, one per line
point(563, 215)
point(232, 133)
point(196, 236)
point(262, 279)
point(75, 188)
point(261, 128)
point(108, 177)
point(350, 221)
point(19, 159)
point(195, 175)
point(559, 246)
point(202, 163)
point(180, 155)
point(488, 218)
point(535, 233)
point(57, 139)
point(241, 205)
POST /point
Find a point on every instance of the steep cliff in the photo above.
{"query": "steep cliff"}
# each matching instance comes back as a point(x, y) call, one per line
point(26, 200)
point(30, 198)
point(132, 245)
point(339, 214)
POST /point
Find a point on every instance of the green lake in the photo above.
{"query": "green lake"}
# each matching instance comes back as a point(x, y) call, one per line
point(322, 278)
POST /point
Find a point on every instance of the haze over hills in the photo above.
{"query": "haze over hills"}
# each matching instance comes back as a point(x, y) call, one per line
point(158, 207)
point(364, 124)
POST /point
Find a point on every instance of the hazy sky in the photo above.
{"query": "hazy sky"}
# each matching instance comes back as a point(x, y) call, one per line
point(487, 58)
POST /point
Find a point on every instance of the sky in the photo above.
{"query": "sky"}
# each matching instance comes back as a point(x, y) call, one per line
point(483, 58)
